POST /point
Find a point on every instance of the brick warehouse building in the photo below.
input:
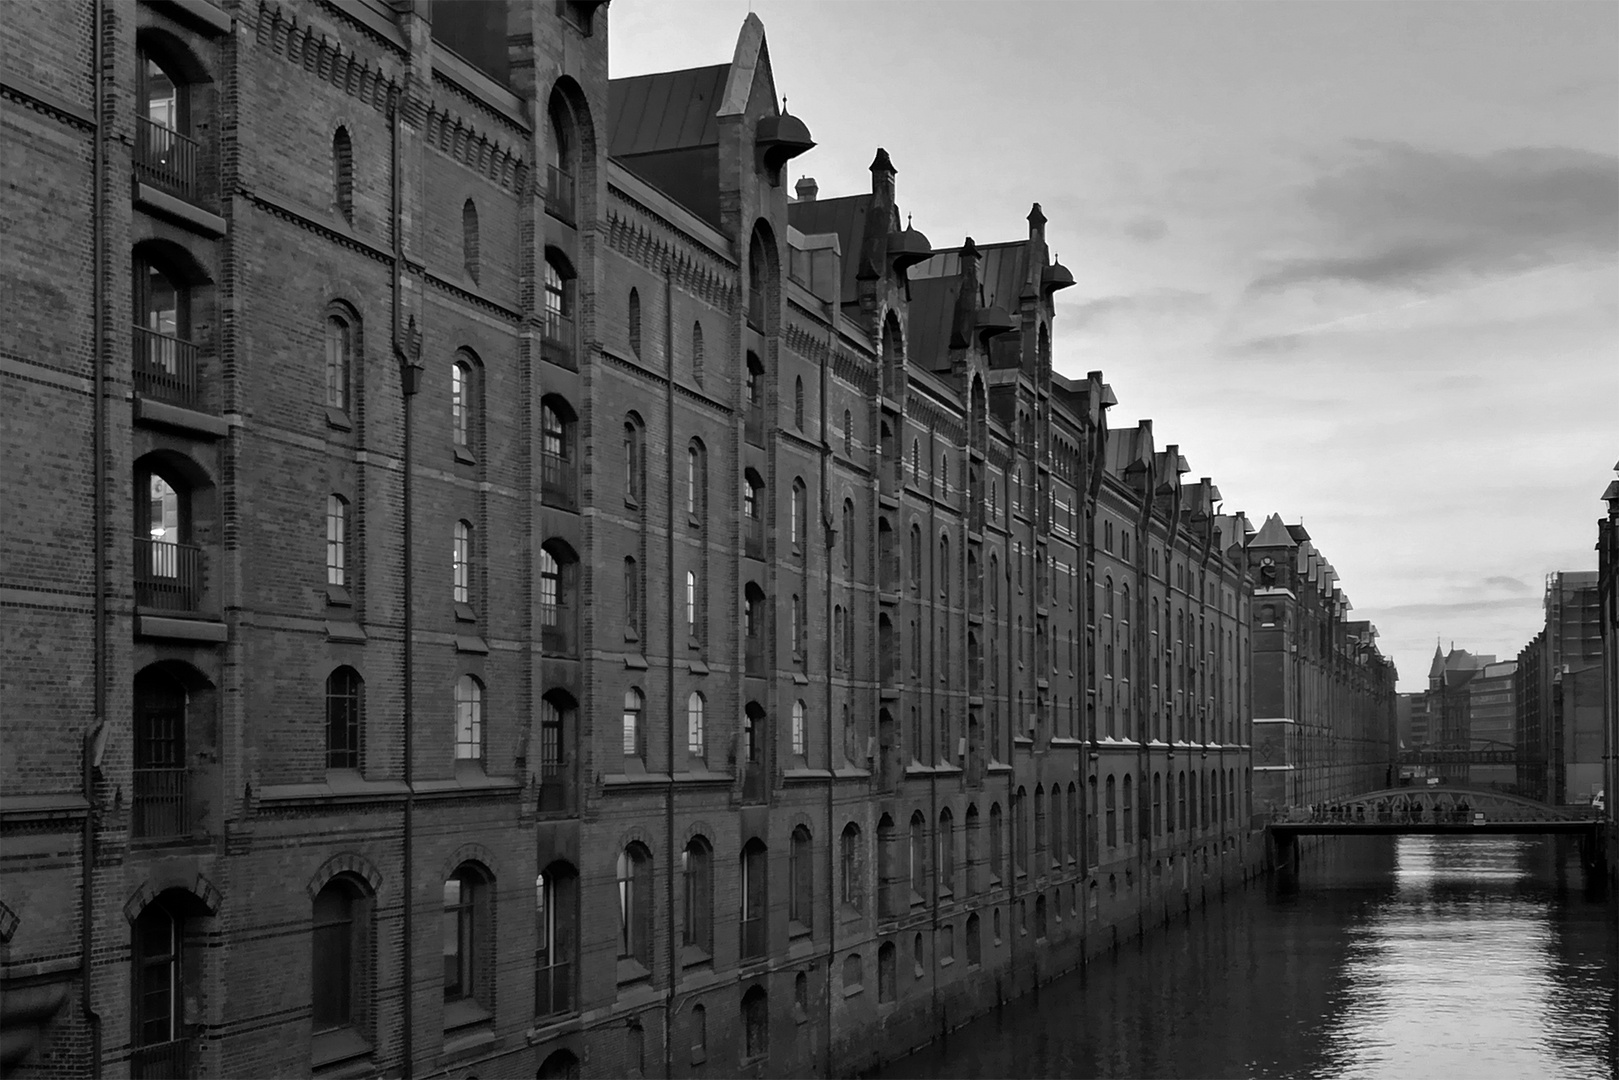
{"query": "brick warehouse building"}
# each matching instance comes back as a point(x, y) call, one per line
point(401, 288)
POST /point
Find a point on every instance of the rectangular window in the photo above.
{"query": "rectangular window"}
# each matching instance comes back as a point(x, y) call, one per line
point(336, 540)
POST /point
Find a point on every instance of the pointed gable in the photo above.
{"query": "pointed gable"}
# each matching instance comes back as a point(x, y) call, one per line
point(1273, 534)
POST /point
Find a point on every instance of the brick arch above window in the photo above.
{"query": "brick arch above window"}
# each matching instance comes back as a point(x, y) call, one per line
point(347, 862)
point(205, 898)
point(475, 854)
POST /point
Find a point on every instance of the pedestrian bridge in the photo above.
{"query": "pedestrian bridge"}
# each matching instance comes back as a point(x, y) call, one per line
point(1433, 810)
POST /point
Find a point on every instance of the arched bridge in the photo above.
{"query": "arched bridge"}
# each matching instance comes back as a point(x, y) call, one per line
point(1429, 810)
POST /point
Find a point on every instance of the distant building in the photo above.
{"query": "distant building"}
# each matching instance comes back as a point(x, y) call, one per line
point(1529, 734)
point(1491, 720)
point(1608, 627)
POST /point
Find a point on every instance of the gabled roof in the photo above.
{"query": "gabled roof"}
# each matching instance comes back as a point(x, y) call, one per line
point(1273, 534)
point(667, 110)
point(844, 216)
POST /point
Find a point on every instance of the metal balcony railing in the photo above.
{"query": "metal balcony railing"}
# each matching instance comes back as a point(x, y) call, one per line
point(557, 630)
point(559, 342)
point(553, 989)
point(161, 1061)
point(753, 538)
point(165, 367)
point(168, 577)
point(160, 805)
point(166, 158)
point(753, 938)
point(559, 483)
point(559, 193)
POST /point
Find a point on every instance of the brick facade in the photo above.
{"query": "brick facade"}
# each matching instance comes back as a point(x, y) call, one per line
point(387, 757)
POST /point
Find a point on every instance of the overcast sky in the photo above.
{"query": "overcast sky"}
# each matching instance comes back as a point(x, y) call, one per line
point(1360, 260)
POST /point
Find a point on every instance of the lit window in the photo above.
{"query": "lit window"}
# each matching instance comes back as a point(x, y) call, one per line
point(633, 703)
point(696, 735)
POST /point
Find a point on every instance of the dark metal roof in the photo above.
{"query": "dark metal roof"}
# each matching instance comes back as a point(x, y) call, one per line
point(667, 110)
point(931, 311)
point(1002, 269)
point(845, 216)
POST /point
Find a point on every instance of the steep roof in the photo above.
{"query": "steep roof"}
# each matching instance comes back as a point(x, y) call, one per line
point(667, 110)
point(932, 310)
point(1273, 534)
point(846, 217)
point(1001, 271)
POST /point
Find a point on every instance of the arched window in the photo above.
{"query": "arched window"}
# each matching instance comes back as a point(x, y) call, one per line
point(556, 721)
point(344, 702)
point(851, 869)
point(339, 360)
point(635, 905)
point(919, 857)
point(558, 474)
point(463, 405)
point(798, 403)
point(755, 1023)
point(996, 845)
point(165, 360)
point(944, 570)
point(975, 944)
point(886, 972)
point(1040, 916)
point(691, 604)
point(634, 737)
point(462, 565)
point(340, 960)
point(560, 160)
point(697, 353)
point(800, 737)
point(1039, 822)
point(1129, 809)
point(947, 852)
point(755, 881)
point(697, 887)
point(1112, 795)
point(558, 329)
point(343, 173)
point(1158, 804)
point(469, 946)
point(635, 322)
point(559, 568)
point(801, 880)
point(337, 540)
point(696, 482)
point(156, 955)
point(696, 728)
point(469, 238)
point(634, 462)
point(848, 533)
point(759, 281)
point(1057, 823)
point(916, 559)
point(556, 912)
point(165, 153)
point(799, 525)
point(468, 719)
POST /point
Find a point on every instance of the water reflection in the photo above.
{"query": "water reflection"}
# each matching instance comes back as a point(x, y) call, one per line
point(1422, 956)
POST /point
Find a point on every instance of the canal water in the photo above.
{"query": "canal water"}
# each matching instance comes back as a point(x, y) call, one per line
point(1395, 958)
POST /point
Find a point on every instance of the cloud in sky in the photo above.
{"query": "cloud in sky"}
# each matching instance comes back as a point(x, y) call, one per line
point(1358, 260)
point(1400, 216)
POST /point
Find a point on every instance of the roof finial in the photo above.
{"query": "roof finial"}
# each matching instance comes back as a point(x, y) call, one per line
point(784, 103)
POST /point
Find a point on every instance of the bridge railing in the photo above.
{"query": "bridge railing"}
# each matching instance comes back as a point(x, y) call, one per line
point(1459, 813)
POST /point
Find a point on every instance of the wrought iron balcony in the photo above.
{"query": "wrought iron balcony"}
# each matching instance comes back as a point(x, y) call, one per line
point(559, 483)
point(166, 159)
point(559, 193)
point(559, 342)
point(753, 938)
point(557, 636)
point(161, 806)
point(168, 577)
point(164, 367)
point(161, 1061)
point(753, 538)
point(553, 989)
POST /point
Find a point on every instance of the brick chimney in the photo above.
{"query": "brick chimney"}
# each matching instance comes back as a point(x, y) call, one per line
point(807, 189)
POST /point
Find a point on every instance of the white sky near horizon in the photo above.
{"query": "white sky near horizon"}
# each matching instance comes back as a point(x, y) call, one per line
point(1360, 260)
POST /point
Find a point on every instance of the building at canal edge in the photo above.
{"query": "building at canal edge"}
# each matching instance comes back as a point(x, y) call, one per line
point(504, 581)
